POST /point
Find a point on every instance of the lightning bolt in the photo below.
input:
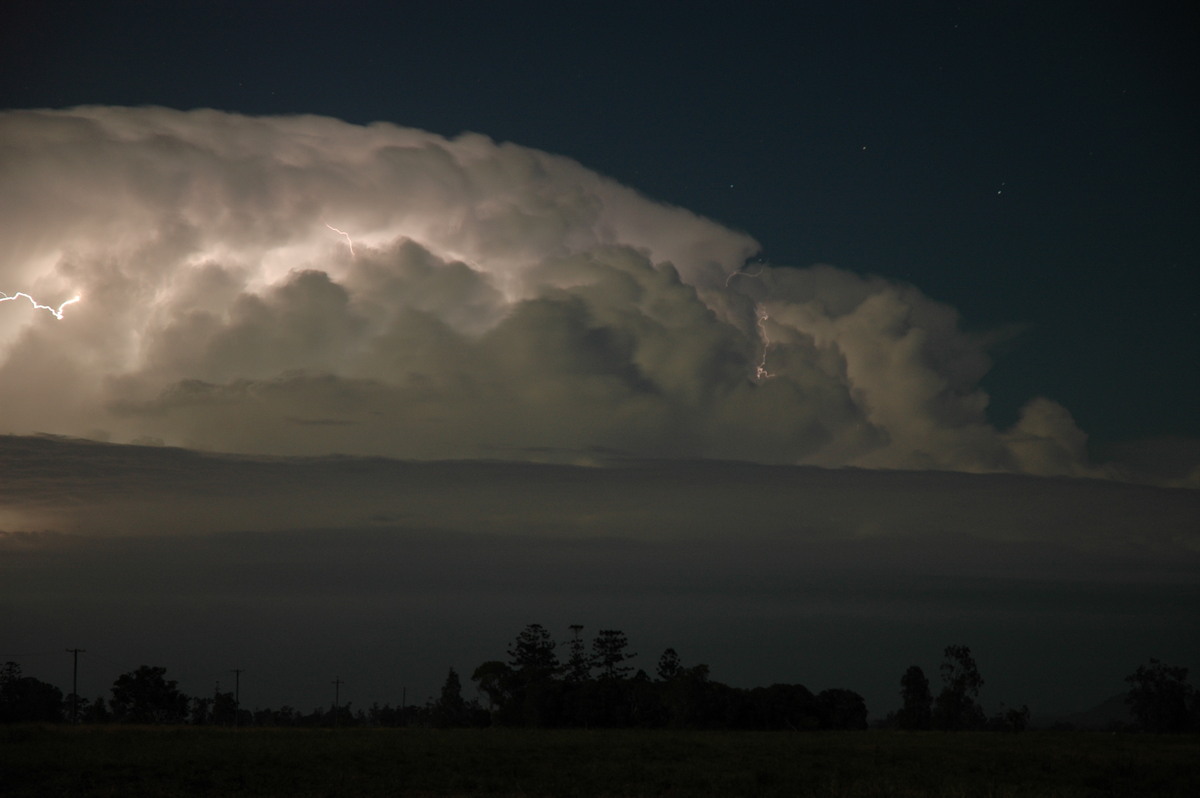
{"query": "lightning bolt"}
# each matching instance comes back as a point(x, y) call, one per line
point(760, 321)
point(57, 312)
point(760, 371)
point(344, 235)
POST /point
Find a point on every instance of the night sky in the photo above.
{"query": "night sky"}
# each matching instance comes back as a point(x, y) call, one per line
point(667, 298)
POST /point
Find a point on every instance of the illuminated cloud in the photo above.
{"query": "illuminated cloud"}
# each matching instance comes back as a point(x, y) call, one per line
point(299, 285)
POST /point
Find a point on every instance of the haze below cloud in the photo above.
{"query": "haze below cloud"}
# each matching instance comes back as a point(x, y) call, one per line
point(387, 572)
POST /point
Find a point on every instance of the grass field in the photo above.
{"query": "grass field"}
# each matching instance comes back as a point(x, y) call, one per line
point(112, 761)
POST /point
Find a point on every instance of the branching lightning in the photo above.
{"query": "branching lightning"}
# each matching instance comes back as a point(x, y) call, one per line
point(760, 321)
point(57, 312)
point(344, 235)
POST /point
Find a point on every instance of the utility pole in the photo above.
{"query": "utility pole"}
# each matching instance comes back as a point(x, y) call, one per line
point(337, 688)
point(237, 695)
point(75, 683)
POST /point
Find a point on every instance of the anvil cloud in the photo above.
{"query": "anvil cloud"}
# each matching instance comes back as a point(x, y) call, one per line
point(499, 302)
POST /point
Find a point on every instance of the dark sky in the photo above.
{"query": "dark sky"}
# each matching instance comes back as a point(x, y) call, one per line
point(1028, 164)
point(1030, 167)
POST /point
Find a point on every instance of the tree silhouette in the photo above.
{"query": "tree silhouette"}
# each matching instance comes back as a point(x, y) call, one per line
point(451, 709)
point(98, 711)
point(496, 681)
point(685, 697)
point(780, 706)
point(82, 707)
point(24, 699)
point(579, 664)
point(532, 654)
point(609, 651)
point(916, 712)
point(534, 665)
point(839, 708)
point(669, 665)
point(146, 696)
point(532, 690)
point(1160, 697)
point(1013, 719)
point(956, 707)
point(224, 709)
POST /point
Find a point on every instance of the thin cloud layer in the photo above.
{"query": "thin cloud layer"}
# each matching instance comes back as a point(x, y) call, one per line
point(299, 285)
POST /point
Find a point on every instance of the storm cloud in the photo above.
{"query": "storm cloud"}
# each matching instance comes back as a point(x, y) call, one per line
point(300, 285)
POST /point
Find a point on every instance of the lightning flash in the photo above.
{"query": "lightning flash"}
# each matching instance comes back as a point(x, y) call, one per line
point(760, 371)
point(344, 235)
point(760, 322)
point(57, 312)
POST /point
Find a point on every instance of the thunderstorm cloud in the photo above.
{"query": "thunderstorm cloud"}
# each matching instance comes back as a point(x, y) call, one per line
point(300, 285)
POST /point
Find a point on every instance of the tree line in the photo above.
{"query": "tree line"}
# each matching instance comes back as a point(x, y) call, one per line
point(594, 686)
point(597, 688)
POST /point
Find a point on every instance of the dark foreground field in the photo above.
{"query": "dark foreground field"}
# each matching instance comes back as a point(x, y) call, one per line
point(111, 761)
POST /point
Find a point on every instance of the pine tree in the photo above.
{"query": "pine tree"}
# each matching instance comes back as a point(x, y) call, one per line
point(532, 654)
point(579, 664)
point(608, 652)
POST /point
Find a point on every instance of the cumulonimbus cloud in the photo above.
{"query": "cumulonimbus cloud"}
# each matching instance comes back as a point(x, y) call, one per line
point(301, 285)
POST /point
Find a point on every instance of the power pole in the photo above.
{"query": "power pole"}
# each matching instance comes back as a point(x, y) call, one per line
point(337, 688)
point(75, 683)
point(237, 695)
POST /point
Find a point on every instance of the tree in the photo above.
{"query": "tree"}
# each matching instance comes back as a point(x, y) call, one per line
point(956, 707)
point(1013, 719)
point(224, 709)
point(532, 654)
point(916, 711)
point(24, 699)
point(201, 711)
point(1160, 697)
point(97, 711)
point(608, 652)
point(780, 706)
point(842, 709)
point(146, 696)
point(669, 665)
point(579, 665)
point(82, 706)
point(451, 709)
point(535, 692)
point(685, 697)
point(495, 680)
